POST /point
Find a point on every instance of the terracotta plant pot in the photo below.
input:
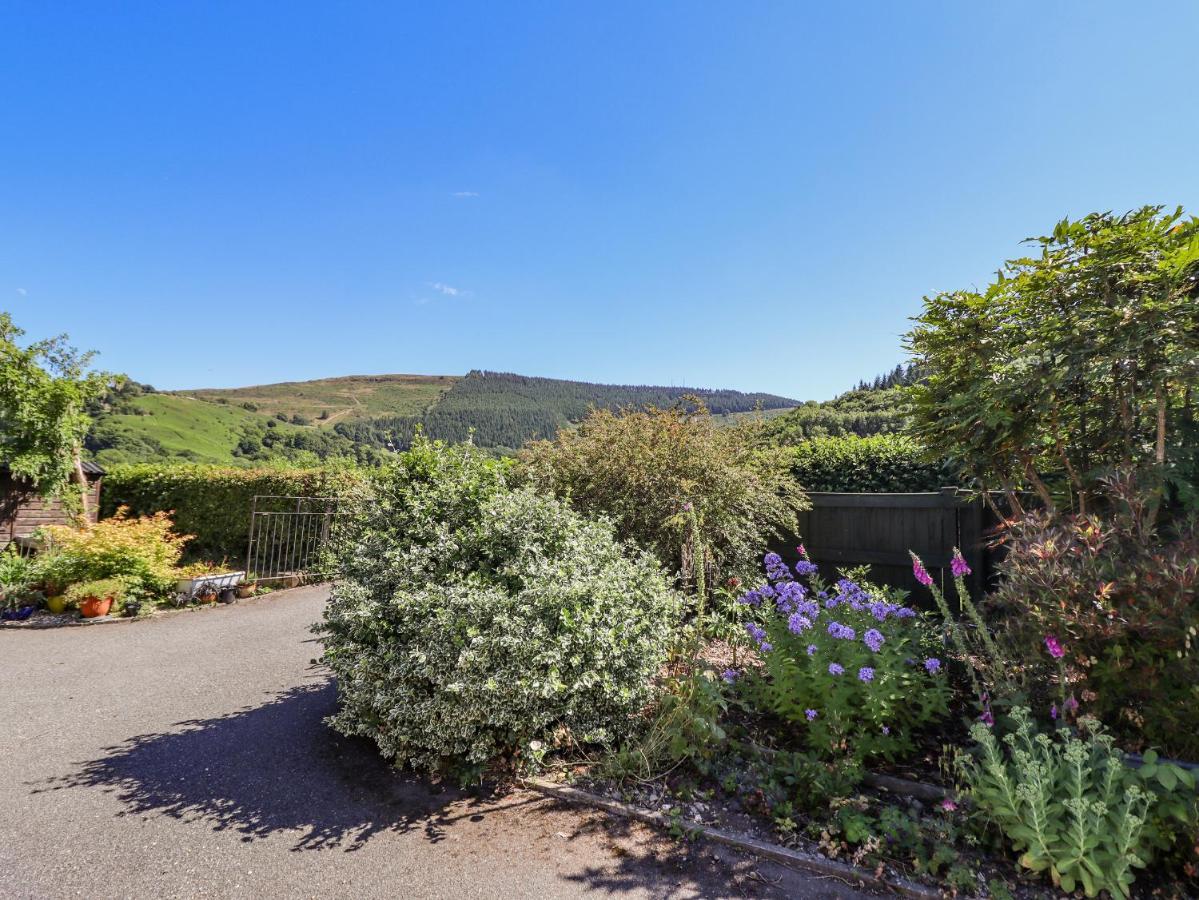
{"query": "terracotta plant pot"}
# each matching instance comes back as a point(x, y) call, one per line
point(94, 607)
point(208, 597)
point(245, 590)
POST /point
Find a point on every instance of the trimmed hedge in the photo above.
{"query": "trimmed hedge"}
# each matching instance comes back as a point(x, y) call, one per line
point(213, 502)
point(884, 463)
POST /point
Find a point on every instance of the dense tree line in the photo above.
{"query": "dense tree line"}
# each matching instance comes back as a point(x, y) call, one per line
point(504, 410)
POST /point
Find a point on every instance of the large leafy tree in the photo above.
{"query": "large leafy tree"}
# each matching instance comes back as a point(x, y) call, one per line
point(45, 387)
point(1073, 363)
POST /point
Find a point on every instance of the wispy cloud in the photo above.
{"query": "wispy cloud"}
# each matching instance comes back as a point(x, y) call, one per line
point(22, 291)
point(465, 195)
point(448, 290)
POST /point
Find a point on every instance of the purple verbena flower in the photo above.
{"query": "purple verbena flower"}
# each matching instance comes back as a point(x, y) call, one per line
point(886, 729)
point(865, 674)
point(776, 569)
point(805, 567)
point(932, 665)
point(873, 639)
point(835, 669)
point(729, 675)
point(810, 714)
point(811, 649)
point(755, 631)
point(798, 624)
point(765, 646)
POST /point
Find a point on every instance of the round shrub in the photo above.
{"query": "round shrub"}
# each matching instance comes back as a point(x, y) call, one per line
point(471, 619)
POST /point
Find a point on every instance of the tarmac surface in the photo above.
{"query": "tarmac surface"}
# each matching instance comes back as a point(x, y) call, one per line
point(186, 756)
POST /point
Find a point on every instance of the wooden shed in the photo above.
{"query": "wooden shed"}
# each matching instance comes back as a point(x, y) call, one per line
point(23, 510)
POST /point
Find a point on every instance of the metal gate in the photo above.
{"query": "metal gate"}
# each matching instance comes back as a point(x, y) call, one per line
point(287, 537)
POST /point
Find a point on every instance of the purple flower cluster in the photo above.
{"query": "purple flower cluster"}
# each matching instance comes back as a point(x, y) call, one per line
point(811, 649)
point(842, 632)
point(810, 714)
point(759, 634)
point(873, 639)
point(932, 665)
point(776, 569)
point(798, 623)
point(866, 673)
point(729, 675)
point(788, 596)
point(958, 565)
point(835, 669)
point(805, 567)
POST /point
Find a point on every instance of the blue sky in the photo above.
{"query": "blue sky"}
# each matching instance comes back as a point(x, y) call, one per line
point(746, 195)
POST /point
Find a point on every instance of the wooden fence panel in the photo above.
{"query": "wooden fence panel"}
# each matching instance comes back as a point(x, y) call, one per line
point(878, 530)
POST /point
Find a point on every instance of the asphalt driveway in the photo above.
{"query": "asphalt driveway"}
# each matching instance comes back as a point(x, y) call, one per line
point(185, 756)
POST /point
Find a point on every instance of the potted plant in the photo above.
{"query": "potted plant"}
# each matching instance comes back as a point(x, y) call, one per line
point(95, 598)
point(206, 593)
point(247, 588)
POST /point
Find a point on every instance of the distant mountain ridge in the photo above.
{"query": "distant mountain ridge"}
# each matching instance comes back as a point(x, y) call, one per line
point(360, 416)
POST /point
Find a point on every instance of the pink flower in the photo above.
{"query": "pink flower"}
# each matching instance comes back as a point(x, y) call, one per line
point(920, 572)
point(802, 551)
point(1054, 647)
point(1071, 704)
point(958, 566)
point(948, 805)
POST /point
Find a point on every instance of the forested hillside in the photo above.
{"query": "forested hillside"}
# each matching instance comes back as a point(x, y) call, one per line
point(504, 410)
point(368, 414)
point(864, 411)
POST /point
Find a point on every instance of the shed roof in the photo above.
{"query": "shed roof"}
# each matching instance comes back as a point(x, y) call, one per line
point(89, 468)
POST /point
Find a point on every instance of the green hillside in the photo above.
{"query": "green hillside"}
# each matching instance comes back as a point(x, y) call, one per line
point(157, 427)
point(366, 416)
point(327, 401)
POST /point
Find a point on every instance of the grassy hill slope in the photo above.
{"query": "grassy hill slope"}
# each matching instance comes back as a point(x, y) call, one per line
point(338, 399)
point(182, 427)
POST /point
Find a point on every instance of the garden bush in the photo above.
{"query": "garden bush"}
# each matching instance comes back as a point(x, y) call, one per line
point(212, 502)
point(884, 463)
point(1119, 601)
point(470, 619)
point(675, 482)
point(849, 664)
point(143, 551)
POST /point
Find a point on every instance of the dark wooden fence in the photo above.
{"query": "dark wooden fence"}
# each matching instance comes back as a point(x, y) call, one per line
point(878, 530)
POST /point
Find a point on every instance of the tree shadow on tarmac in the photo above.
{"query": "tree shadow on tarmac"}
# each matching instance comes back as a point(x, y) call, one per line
point(276, 768)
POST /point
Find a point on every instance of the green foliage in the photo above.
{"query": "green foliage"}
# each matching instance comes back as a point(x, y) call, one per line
point(498, 409)
point(850, 672)
point(883, 463)
point(1072, 363)
point(44, 391)
point(1120, 598)
point(144, 551)
point(684, 727)
point(470, 620)
point(861, 412)
point(676, 483)
point(1073, 809)
point(102, 589)
point(213, 503)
